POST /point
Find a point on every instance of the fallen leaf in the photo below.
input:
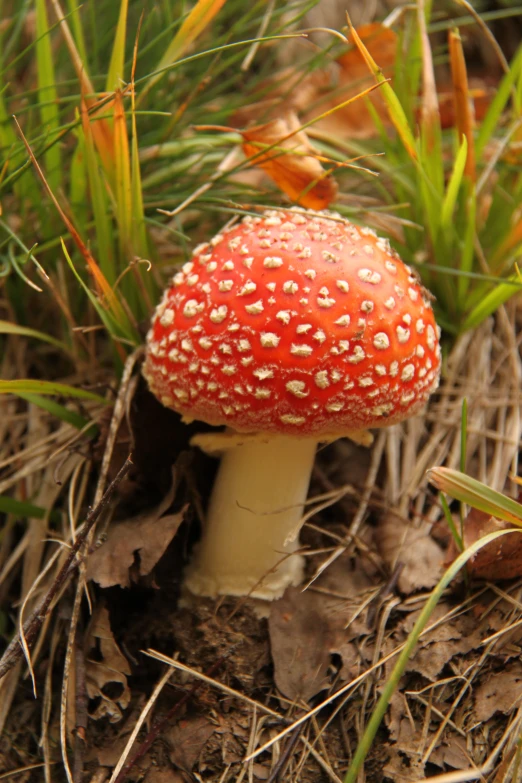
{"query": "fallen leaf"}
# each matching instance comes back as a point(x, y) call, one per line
point(163, 776)
point(291, 161)
point(501, 559)
point(106, 669)
point(420, 556)
point(299, 640)
point(146, 535)
point(307, 627)
point(502, 692)
point(188, 738)
point(380, 41)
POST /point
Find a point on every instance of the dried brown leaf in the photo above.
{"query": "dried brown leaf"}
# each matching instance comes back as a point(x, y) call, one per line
point(299, 639)
point(501, 559)
point(109, 667)
point(291, 162)
point(502, 692)
point(188, 738)
point(421, 557)
point(146, 535)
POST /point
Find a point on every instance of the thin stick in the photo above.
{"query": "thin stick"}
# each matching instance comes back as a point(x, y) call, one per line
point(34, 623)
point(139, 723)
point(162, 724)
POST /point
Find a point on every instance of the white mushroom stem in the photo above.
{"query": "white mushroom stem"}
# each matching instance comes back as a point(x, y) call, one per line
point(253, 520)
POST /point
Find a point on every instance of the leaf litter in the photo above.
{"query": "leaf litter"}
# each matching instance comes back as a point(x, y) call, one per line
point(345, 628)
point(461, 686)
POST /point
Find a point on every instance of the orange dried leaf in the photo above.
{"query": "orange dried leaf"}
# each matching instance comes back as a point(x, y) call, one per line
point(498, 560)
point(286, 155)
point(463, 106)
point(381, 43)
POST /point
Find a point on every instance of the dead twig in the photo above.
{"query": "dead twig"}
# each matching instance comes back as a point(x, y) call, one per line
point(33, 624)
point(161, 725)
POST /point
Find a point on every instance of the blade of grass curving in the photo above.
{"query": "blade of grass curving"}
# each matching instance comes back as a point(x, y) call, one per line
point(490, 303)
point(6, 327)
point(379, 711)
point(452, 190)
point(28, 386)
point(200, 16)
point(47, 94)
point(116, 65)
point(21, 508)
point(395, 110)
point(59, 411)
point(476, 494)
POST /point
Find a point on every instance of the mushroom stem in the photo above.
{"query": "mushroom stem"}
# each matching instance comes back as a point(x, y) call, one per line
point(253, 520)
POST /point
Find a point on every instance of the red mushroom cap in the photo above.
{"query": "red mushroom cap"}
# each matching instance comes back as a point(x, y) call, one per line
point(297, 323)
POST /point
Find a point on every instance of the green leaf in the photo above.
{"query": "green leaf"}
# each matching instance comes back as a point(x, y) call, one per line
point(60, 411)
point(115, 72)
point(47, 95)
point(476, 494)
point(448, 205)
point(6, 327)
point(27, 386)
point(492, 120)
point(21, 508)
point(200, 16)
point(490, 303)
point(100, 203)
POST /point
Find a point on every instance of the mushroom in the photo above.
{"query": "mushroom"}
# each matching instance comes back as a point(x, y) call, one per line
point(290, 328)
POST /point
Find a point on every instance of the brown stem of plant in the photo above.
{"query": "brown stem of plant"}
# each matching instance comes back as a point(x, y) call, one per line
point(33, 624)
point(158, 728)
point(81, 709)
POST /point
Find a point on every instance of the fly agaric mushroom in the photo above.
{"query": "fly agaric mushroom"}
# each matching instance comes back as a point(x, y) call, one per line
point(290, 328)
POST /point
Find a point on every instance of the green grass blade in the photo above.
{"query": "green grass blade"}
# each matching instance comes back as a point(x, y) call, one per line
point(59, 411)
point(47, 95)
point(490, 304)
point(27, 386)
point(491, 121)
point(78, 194)
point(406, 653)
point(21, 508)
point(115, 72)
point(119, 329)
point(476, 494)
point(463, 434)
point(6, 327)
point(76, 24)
point(457, 538)
point(193, 25)
point(395, 110)
point(468, 247)
point(452, 191)
point(100, 203)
